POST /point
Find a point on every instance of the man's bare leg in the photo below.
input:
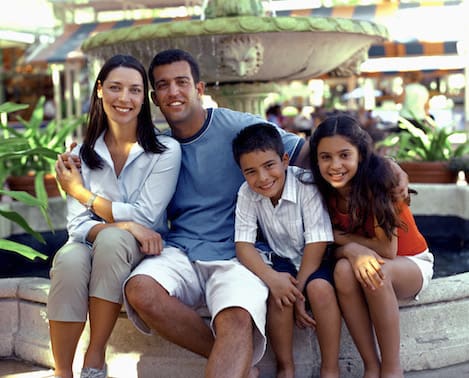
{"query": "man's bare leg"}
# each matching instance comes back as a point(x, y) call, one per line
point(232, 351)
point(165, 314)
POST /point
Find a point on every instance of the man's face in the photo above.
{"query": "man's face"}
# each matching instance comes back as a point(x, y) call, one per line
point(176, 94)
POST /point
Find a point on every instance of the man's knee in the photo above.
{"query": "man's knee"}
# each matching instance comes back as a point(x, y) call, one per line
point(233, 319)
point(142, 292)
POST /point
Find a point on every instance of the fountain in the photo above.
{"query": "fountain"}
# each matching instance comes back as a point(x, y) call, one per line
point(243, 53)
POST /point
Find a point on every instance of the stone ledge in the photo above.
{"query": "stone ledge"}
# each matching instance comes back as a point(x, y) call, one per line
point(434, 334)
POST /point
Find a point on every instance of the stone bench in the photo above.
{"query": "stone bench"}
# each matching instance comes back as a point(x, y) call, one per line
point(434, 334)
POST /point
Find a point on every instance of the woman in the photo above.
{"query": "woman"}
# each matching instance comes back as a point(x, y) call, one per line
point(116, 212)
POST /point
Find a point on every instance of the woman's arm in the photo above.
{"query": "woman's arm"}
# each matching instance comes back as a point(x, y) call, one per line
point(150, 241)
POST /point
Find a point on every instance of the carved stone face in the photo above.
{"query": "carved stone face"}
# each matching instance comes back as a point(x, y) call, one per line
point(241, 55)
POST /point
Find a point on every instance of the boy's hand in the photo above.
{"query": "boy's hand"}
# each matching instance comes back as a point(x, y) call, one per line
point(302, 318)
point(284, 291)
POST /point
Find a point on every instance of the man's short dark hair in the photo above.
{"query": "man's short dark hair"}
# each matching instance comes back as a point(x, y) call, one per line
point(172, 56)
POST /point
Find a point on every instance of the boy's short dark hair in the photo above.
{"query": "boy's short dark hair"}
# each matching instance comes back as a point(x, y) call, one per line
point(172, 56)
point(258, 137)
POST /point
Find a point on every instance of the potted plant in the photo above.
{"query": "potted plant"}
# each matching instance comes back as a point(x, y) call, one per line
point(29, 152)
point(9, 215)
point(425, 152)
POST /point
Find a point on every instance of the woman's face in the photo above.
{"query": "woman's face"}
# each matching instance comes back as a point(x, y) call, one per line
point(122, 94)
point(338, 161)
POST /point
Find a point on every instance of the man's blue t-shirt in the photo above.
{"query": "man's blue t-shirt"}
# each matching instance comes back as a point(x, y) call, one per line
point(202, 211)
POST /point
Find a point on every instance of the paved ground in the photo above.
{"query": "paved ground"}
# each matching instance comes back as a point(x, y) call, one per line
point(20, 369)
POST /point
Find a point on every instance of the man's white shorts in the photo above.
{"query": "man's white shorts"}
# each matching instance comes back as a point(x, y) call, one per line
point(215, 284)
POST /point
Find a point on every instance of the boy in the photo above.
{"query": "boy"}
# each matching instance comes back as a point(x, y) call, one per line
point(296, 225)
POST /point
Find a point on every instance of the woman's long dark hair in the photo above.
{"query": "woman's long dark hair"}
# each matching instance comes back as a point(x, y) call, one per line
point(97, 118)
point(372, 185)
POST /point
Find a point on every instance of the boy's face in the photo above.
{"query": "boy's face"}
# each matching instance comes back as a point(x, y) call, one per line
point(264, 172)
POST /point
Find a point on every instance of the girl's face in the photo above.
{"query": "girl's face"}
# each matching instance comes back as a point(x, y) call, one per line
point(122, 93)
point(338, 161)
point(264, 172)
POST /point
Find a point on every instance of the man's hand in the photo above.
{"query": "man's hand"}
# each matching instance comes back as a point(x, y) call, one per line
point(401, 192)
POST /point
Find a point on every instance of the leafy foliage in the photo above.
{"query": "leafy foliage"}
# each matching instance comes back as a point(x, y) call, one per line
point(427, 143)
point(33, 148)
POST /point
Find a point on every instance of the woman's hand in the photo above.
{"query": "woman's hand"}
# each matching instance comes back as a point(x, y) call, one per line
point(151, 242)
point(68, 175)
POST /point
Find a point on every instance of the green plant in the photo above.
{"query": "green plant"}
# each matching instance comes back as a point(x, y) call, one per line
point(33, 148)
point(40, 201)
point(427, 143)
point(14, 216)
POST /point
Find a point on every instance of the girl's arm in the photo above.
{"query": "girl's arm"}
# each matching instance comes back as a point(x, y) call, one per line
point(365, 262)
point(380, 243)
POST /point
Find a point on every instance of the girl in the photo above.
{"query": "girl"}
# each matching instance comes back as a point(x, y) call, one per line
point(116, 210)
point(381, 255)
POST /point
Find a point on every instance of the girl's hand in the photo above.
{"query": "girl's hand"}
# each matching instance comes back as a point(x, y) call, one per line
point(302, 318)
point(366, 265)
point(151, 242)
point(284, 291)
point(368, 271)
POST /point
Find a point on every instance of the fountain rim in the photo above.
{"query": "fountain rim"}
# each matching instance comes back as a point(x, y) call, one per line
point(234, 25)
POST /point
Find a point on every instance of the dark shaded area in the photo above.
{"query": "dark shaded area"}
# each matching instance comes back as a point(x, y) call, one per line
point(448, 239)
point(15, 265)
point(447, 236)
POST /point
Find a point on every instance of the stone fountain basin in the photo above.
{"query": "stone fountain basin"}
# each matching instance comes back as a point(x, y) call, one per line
point(292, 47)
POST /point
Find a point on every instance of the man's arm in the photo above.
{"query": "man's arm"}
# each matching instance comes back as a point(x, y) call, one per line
point(303, 160)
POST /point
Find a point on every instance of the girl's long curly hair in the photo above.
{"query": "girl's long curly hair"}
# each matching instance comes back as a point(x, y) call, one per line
point(371, 187)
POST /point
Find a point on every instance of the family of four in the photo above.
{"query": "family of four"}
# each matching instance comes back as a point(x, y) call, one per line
point(279, 231)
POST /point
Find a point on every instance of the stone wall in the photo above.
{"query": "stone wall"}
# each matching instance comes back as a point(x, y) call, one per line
point(434, 334)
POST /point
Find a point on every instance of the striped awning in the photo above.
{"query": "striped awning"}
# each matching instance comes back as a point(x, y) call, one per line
point(67, 46)
point(413, 48)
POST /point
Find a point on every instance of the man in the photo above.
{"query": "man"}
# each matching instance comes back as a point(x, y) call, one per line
point(198, 266)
